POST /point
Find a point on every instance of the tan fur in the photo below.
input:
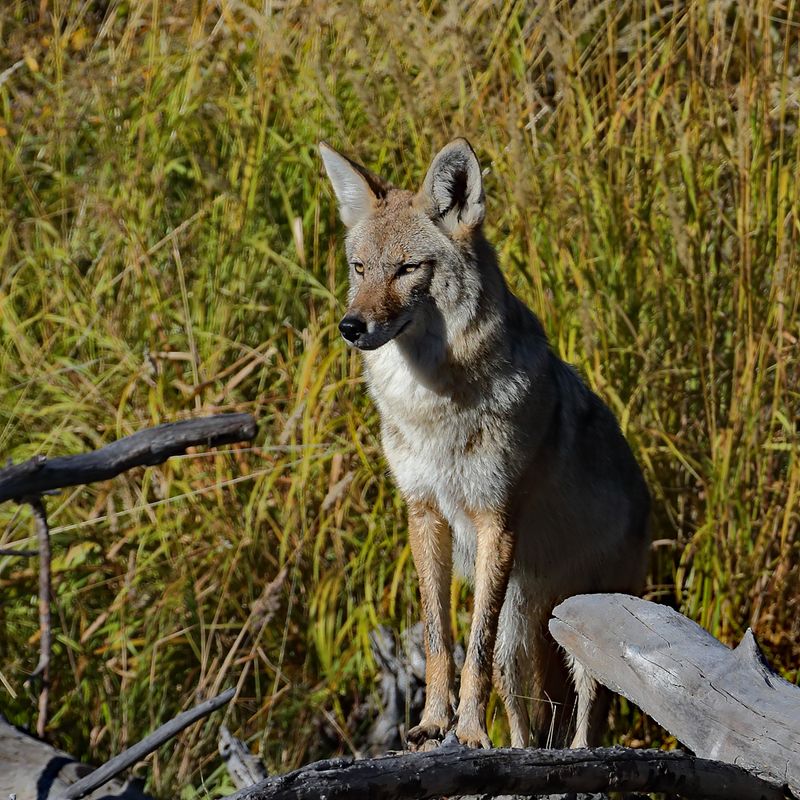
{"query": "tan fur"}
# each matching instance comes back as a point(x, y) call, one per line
point(431, 548)
point(495, 551)
point(515, 474)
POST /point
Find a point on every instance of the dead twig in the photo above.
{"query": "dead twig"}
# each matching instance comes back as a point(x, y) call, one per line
point(152, 742)
point(42, 671)
point(10, 551)
point(143, 448)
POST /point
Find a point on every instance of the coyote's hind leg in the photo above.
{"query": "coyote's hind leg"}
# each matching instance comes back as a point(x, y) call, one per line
point(512, 664)
point(586, 690)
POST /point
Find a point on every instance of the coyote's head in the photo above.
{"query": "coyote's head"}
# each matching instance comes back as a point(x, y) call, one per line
point(412, 256)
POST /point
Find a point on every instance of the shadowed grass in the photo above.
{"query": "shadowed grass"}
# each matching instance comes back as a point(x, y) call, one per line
point(168, 247)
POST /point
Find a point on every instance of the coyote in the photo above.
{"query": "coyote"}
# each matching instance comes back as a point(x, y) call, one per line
point(514, 472)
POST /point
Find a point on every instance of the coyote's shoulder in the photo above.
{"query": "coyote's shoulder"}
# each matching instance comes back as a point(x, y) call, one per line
point(514, 471)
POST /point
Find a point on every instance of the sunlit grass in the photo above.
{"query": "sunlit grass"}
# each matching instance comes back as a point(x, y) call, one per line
point(169, 247)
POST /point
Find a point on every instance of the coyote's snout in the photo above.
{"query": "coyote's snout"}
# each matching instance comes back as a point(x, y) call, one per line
point(514, 472)
point(376, 321)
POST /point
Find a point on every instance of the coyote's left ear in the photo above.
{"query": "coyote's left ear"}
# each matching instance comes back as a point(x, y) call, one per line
point(453, 190)
point(357, 189)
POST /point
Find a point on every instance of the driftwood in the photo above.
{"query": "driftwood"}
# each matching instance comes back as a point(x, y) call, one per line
point(143, 448)
point(401, 686)
point(723, 704)
point(453, 769)
point(31, 769)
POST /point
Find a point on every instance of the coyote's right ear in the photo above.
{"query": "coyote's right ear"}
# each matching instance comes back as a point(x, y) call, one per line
point(453, 190)
point(357, 189)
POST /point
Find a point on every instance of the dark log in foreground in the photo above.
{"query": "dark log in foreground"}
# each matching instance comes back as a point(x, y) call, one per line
point(31, 769)
point(722, 703)
point(143, 448)
point(453, 770)
point(129, 757)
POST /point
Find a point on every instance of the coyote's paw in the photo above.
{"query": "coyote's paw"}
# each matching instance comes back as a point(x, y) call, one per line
point(472, 734)
point(427, 735)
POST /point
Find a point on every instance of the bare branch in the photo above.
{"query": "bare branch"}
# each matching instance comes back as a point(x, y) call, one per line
point(143, 448)
point(152, 742)
point(42, 670)
point(10, 551)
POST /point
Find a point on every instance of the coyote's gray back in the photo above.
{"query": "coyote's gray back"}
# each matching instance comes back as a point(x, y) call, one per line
point(479, 416)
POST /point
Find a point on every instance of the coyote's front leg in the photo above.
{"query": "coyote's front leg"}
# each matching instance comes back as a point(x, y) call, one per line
point(431, 546)
point(494, 557)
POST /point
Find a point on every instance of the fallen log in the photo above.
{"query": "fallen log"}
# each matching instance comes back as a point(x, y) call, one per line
point(723, 704)
point(143, 448)
point(453, 770)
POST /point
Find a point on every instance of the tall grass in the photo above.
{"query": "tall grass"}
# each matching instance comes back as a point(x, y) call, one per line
point(168, 247)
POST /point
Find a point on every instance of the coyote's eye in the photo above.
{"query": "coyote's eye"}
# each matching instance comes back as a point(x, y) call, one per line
point(358, 267)
point(406, 269)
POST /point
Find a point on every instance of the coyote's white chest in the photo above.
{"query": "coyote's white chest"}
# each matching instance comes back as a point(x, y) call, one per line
point(438, 451)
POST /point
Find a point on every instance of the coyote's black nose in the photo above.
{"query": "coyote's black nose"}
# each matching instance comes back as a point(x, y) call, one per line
point(352, 327)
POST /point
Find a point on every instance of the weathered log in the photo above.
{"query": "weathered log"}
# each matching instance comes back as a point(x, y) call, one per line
point(143, 448)
point(723, 704)
point(401, 687)
point(31, 769)
point(453, 769)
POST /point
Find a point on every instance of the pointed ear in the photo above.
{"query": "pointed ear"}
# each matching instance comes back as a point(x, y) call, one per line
point(357, 189)
point(453, 190)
